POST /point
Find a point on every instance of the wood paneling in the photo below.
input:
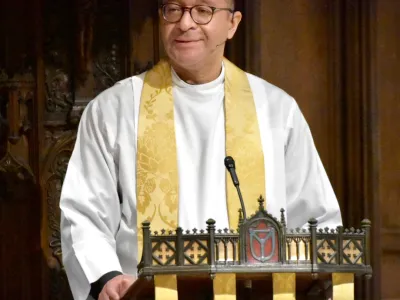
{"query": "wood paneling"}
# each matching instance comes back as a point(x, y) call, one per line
point(295, 48)
point(388, 74)
point(323, 54)
point(145, 44)
point(390, 278)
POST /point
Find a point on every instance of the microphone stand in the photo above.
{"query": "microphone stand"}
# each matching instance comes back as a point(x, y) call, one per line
point(241, 202)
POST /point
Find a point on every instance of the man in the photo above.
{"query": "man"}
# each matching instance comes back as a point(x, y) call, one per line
point(152, 147)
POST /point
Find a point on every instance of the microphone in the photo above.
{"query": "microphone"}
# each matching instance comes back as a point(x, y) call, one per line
point(230, 166)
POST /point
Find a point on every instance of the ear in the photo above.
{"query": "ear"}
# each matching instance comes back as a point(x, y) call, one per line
point(237, 17)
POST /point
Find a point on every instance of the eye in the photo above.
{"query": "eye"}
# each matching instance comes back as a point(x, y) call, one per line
point(173, 8)
point(203, 10)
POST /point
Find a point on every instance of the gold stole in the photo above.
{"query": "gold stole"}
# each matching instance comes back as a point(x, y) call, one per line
point(157, 174)
point(343, 286)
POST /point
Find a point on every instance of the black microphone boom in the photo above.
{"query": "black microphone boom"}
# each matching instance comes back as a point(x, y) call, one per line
point(230, 166)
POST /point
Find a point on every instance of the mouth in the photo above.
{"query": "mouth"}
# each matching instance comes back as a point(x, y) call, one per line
point(185, 42)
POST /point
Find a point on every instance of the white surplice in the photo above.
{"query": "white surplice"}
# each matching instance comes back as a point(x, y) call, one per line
point(98, 200)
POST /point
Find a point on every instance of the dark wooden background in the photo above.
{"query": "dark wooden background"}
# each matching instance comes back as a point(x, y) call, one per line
point(340, 59)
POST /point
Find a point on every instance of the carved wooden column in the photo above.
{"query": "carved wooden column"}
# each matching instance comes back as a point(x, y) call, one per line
point(17, 96)
point(82, 50)
point(357, 42)
point(19, 230)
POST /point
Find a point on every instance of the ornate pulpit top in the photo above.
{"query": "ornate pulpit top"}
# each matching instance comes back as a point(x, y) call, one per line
point(261, 244)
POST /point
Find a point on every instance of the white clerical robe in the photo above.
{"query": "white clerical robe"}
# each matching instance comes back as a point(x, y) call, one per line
point(98, 200)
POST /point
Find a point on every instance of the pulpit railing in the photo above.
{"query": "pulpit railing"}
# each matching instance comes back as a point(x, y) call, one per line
point(261, 246)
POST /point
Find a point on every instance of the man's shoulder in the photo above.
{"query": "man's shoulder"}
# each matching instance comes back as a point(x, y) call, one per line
point(269, 92)
point(131, 81)
point(122, 92)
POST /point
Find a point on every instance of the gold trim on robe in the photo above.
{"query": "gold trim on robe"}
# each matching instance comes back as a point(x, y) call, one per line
point(343, 286)
point(225, 286)
point(284, 286)
point(157, 175)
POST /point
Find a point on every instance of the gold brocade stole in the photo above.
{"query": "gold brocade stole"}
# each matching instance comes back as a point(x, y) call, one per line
point(343, 286)
point(284, 286)
point(157, 174)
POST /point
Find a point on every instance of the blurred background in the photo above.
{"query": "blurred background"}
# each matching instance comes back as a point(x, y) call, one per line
point(340, 59)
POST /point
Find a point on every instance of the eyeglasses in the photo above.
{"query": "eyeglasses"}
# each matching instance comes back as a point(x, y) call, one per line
point(201, 14)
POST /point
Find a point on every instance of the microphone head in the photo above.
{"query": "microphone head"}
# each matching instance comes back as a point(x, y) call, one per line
point(229, 162)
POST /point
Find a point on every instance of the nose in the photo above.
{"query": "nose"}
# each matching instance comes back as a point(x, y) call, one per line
point(186, 23)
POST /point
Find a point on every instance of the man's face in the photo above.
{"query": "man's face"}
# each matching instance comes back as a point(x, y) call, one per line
point(189, 44)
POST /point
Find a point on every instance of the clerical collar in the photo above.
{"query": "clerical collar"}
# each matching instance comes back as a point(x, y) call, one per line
point(176, 80)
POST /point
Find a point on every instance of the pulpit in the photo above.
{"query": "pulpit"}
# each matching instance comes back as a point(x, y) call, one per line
point(262, 259)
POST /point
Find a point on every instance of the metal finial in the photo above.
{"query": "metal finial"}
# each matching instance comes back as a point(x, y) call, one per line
point(261, 203)
point(283, 221)
point(366, 223)
point(146, 223)
point(210, 222)
point(313, 222)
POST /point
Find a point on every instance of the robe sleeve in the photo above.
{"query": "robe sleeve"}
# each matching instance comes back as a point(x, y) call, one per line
point(309, 193)
point(90, 208)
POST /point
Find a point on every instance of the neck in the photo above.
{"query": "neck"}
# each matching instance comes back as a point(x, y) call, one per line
point(198, 74)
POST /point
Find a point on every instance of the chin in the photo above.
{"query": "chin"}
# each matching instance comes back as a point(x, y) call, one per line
point(188, 58)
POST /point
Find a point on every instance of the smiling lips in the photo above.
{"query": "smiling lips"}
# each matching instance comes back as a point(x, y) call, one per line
point(186, 42)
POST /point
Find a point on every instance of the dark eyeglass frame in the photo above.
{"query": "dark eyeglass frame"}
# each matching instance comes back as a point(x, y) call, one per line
point(189, 9)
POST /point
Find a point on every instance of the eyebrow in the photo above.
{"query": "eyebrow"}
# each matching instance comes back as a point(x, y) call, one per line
point(202, 2)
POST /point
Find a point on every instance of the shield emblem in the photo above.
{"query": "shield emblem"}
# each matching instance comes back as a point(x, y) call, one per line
point(259, 238)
